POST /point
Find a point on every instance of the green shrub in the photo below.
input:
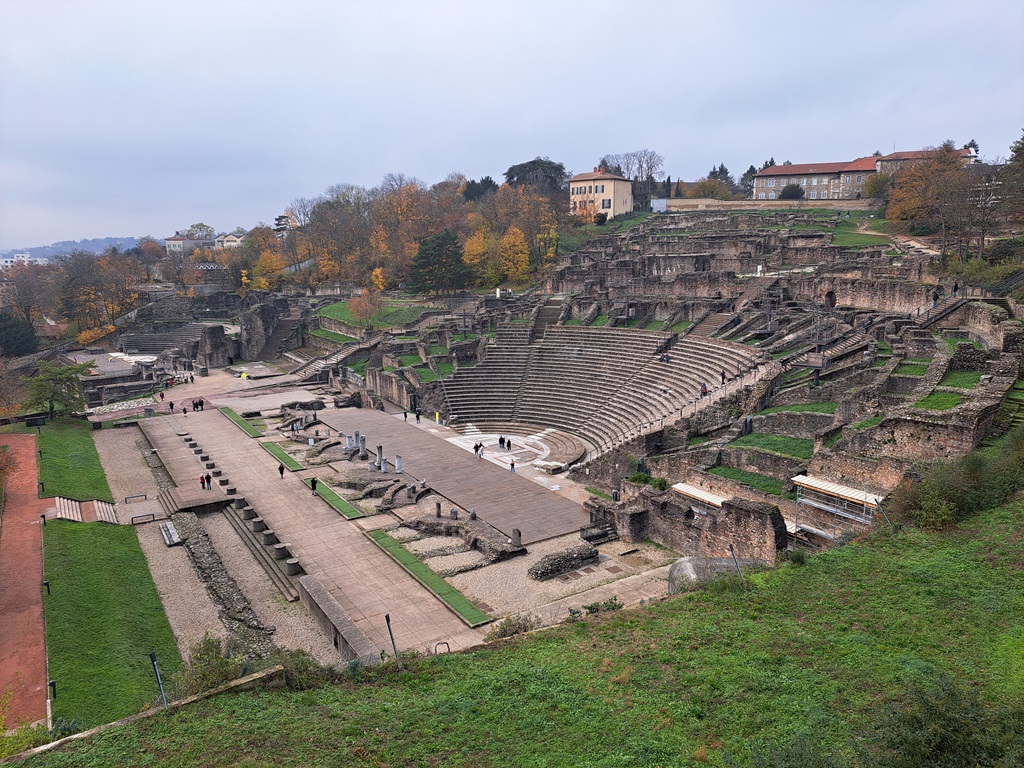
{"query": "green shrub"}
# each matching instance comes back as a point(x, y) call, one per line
point(211, 663)
point(951, 492)
point(797, 447)
point(941, 724)
point(511, 626)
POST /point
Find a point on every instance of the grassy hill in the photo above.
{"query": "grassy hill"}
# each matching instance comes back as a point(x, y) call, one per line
point(815, 653)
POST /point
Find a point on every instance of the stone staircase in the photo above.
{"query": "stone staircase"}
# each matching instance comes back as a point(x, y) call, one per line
point(311, 369)
point(285, 328)
point(547, 315)
point(707, 327)
point(946, 306)
point(244, 520)
point(68, 509)
point(155, 343)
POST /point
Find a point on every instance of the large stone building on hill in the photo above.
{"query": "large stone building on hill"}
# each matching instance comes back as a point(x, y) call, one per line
point(837, 181)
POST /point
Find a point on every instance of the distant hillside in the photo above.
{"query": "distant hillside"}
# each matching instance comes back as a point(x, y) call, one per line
point(95, 245)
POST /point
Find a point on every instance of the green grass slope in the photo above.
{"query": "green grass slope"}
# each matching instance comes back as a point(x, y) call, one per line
point(821, 649)
point(103, 618)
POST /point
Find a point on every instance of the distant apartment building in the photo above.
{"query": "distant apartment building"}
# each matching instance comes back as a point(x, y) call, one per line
point(6, 262)
point(230, 240)
point(600, 192)
point(837, 181)
point(184, 247)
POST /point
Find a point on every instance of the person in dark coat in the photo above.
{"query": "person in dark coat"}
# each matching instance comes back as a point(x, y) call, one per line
point(280, 470)
point(312, 484)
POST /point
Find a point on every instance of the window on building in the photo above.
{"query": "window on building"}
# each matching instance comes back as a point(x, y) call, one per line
point(600, 188)
point(771, 195)
point(803, 182)
point(860, 178)
point(590, 189)
point(824, 194)
point(771, 182)
point(760, 195)
point(814, 194)
point(606, 203)
point(814, 182)
point(847, 179)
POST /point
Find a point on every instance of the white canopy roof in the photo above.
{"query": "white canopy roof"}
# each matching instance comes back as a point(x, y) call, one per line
point(699, 494)
point(835, 489)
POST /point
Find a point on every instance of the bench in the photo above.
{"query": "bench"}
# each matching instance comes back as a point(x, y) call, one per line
point(170, 534)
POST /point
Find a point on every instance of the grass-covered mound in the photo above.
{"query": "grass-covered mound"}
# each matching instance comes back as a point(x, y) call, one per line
point(819, 655)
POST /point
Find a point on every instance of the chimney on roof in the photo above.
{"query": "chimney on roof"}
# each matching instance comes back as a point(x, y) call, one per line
point(595, 170)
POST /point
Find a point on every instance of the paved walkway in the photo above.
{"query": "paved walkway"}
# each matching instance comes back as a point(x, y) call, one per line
point(366, 583)
point(23, 639)
point(500, 497)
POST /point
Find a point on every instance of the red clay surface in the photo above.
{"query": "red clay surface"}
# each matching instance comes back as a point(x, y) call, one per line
point(22, 636)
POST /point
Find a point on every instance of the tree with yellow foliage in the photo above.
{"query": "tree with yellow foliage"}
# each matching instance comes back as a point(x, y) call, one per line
point(514, 255)
point(379, 279)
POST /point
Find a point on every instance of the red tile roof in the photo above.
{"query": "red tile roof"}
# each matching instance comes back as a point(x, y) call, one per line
point(596, 176)
point(805, 169)
point(922, 154)
point(861, 164)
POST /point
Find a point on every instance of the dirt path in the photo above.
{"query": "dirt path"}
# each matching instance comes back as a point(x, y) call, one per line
point(23, 640)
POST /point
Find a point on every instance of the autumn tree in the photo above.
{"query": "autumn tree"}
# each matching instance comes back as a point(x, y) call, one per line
point(514, 255)
point(714, 189)
point(150, 254)
point(438, 266)
point(33, 293)
point(926, 192)
point(365, 305)
point(57, 386)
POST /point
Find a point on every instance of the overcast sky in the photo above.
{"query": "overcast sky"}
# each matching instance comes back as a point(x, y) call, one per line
point(135, 117)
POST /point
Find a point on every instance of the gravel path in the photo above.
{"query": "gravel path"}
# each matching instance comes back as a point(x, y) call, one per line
point(188, 606)
point(295, 627)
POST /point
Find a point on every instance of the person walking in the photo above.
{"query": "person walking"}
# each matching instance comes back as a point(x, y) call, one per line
point(280, 470)
point(312, 484)
point(172, 406)
point(184, 411)
point(418, 415)
point(405, 415)
point(209, 481)
point(202, 482)
point(512, 466)
point(161, 397)
point(723, 375)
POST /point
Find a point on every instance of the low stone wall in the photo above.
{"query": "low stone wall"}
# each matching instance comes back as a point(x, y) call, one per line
point(762, 462)
point(558, 563)
point(351, 642)
point(875, 475)
point(755, 529)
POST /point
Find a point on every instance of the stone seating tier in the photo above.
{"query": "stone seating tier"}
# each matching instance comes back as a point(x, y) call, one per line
point(603, 385)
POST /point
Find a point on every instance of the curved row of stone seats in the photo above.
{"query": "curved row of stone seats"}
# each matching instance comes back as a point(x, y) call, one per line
point(604, 385)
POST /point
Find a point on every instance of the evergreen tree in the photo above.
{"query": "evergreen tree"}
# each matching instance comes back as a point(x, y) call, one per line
point(438, 265)
point(58, 387)
point(747, 181)
point(17, 337)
